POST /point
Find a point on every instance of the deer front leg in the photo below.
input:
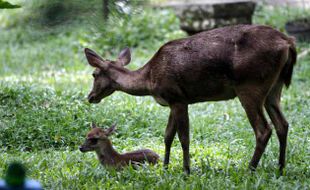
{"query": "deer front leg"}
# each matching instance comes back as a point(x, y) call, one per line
point(178, 122)
point(183, 134)
point(169, 136)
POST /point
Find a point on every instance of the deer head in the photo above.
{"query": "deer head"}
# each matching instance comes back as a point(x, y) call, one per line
point(97, 138)
point(104, 84)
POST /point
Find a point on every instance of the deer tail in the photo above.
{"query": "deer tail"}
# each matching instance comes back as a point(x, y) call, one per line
point(287, 71)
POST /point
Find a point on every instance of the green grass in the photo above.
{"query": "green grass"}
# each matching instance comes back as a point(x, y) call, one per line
point(44, 117)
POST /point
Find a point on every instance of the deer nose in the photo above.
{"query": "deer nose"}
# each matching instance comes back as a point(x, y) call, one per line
point(90, 98)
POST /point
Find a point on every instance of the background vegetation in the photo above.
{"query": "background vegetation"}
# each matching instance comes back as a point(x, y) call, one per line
point(44, 115)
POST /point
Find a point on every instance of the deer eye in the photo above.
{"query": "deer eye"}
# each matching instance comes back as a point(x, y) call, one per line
point(93, 141)
point(94, 75)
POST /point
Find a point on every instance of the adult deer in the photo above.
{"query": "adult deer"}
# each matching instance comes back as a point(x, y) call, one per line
point(252, 62)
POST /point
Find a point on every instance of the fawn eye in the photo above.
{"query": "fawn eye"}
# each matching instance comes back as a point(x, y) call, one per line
point(93, 141)
point(94, 75)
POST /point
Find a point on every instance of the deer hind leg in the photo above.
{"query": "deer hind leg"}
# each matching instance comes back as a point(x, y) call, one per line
point(273, 109)
point(252, 101)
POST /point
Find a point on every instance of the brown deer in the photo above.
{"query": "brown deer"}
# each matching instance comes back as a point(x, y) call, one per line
point(97, 140)
point(252, 62)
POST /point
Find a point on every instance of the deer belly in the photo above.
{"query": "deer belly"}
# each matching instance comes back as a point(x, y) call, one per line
point(212, 95)
point(160, 100)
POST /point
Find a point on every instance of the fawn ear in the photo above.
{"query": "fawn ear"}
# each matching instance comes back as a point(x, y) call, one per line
point(95, 60)
point(124, 57)
point(110, 130)
point(93, 125)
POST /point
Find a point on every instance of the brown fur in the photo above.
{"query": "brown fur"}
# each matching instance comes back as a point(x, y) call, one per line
point(252, 62)
point(97, 140)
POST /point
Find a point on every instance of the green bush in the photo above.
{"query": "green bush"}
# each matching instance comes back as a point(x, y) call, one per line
point(144, 29)
point(278, 16)
point(47, 14)
point(7, 5)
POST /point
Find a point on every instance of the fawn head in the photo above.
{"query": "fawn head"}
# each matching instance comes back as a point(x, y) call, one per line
point(96, 138)
point(103, 84)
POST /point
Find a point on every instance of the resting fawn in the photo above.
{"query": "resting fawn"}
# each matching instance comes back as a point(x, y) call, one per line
point(97, 140)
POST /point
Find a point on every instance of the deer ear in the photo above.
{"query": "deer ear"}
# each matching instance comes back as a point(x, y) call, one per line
point(124, 57)
point(93, 125)
point(110, 130)
point(95, 60)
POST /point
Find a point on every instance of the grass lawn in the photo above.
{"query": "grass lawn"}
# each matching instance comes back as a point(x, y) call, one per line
point(44, 117)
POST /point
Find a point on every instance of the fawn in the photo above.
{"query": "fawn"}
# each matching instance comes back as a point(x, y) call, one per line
point(97, 140)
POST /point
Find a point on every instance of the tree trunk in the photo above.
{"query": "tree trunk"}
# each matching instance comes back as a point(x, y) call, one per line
point(105, 9)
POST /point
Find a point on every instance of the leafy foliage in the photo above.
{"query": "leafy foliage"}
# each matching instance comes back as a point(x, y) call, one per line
point(269, 15)
point(7, 5)
point(140, 29)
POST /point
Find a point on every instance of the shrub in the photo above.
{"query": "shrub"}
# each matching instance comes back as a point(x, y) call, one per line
point(144, 29)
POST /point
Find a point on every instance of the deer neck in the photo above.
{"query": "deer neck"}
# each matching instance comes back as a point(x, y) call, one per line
point(107, 154)
point(131, 82)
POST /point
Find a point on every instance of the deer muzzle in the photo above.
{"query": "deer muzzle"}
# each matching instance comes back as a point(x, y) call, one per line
point(92, 98)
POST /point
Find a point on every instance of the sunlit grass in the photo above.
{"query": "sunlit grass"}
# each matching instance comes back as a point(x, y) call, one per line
point(58, 80)
point(44, 117)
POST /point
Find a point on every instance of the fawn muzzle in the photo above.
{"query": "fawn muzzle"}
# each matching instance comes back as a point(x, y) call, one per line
point(85, 149)
point(82, 149)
